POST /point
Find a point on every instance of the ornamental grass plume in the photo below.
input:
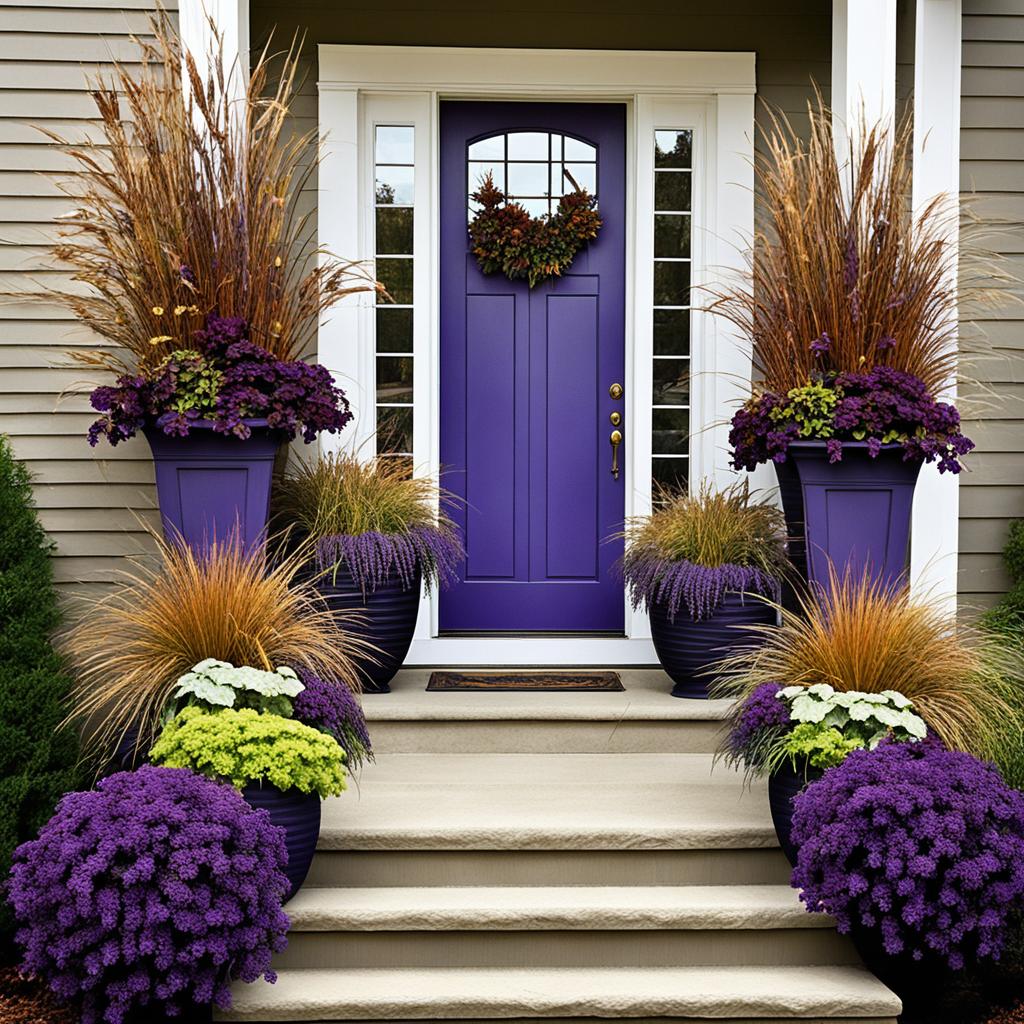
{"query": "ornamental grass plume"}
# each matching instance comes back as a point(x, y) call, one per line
point(187, 204)
point(866, 635)
point(149, 894)
point(131, 646)
point(371, 516)
point(695, 547)
point(845, 277)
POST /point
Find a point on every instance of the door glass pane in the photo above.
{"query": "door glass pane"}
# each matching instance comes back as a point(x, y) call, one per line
point(673, 148)
point(394, 144)
point(671, 284)
point(394, 230)
point(396, 276)
point(670, 474)
point(671, 431)
point(671, 332)
point(672, 190)
point(488, 149)
point(528, 146)
point(394, 329)
point(394, 379)
point(585, 175)
point(527, 179)
point(671, 382)
point(394, 429)
point(672, 235)
point(478, 171)
point(394, 186)
point(575, 149)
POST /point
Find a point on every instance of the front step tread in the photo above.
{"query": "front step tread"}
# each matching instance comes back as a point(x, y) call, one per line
point(547, 801)
point(786, 993)
point(533, 908)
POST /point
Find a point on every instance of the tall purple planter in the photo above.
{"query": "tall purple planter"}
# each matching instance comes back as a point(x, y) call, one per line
point(209, 484)
point(687, 648)
point(385, 617)
point(853, 514)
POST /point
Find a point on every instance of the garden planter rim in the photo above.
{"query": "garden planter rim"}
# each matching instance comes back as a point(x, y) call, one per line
point(820, 444)
point(156, 426)
point(763, 598)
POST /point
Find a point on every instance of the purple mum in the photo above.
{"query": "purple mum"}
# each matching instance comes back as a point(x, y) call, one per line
point(373, 558)
point(879, 406)
point(923, 845)
point(155, 890)
point(654, 579)
point(334, 709)
point(291, 395)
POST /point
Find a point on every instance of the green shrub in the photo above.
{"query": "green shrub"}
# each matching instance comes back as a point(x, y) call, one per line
point(247, 746)
point(37, 762)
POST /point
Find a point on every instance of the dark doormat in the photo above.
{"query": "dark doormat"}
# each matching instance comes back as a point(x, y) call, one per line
point(525, 681)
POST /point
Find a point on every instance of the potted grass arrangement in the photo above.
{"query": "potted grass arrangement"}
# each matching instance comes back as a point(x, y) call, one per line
point(852, 312)
point(377, 535)
point(203, 277)
point(860, 655)
point(698, 564)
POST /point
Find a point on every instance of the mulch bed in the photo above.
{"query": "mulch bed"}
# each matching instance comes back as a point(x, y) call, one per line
point(993, 995)
point(23, 1001)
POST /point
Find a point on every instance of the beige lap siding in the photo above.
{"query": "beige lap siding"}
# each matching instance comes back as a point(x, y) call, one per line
point(89, 499)
point(992, 167)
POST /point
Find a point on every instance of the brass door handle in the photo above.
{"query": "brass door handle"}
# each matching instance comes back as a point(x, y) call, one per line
point(616, 439)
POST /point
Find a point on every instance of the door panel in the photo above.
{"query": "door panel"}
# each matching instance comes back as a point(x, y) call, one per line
point(524, 381)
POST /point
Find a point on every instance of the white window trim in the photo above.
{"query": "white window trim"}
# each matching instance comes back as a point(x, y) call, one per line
point(713, 92)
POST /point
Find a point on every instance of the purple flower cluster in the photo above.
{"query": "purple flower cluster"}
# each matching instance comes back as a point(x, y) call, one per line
point(923, 845)
point(334, 709)
point(250, 383)
point(761, 718)
point(880, 406)
point(154, 890)
point(654, 579)
point(372, 558)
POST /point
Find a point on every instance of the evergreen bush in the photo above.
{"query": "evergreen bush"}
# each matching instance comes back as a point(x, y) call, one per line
point(37, 763)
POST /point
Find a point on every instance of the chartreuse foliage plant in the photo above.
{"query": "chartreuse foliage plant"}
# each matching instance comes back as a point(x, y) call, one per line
point(867, 636)
point(149, 895)
point(214, 684)
point(246, 746)
point(37, 761)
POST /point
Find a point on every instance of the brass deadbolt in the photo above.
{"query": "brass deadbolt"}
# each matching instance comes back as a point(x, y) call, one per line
point(615, 391)
point(616, 418)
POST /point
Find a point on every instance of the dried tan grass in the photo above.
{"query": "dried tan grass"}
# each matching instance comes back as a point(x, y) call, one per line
point(180, 174)
point(843, 256)
point(865, 635)
point(129, 647)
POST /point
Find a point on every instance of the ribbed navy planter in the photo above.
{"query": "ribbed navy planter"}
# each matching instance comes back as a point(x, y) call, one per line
point(783, 786)
point(687, 648)
point(299, 815)
point(386, 617)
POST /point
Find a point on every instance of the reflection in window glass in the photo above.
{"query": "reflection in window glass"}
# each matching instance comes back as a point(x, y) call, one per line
point(670, 398)
point(394, 223)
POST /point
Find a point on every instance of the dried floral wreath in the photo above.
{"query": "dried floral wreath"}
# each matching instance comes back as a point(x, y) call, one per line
point(506, 237)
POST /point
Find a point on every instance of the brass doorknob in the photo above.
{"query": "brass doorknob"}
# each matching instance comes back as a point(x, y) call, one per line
point(616, 439)
point(615, 391)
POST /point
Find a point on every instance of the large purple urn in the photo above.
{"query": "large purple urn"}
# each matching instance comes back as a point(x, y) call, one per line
point(209, 485)
point(853, 514)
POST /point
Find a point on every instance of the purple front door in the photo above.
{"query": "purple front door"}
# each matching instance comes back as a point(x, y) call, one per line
point(526, 414)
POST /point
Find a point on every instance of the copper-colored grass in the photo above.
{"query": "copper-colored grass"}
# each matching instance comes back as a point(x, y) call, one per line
point(129, 647)
point(843, 255)
point(180, 173)
point(869, 636)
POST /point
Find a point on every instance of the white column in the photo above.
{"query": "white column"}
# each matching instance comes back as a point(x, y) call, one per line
point(231, 18)
point(863, 66)
point(935, 536)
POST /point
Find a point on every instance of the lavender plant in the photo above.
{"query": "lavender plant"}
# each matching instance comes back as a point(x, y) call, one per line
point(334, 709)
point(921, 845)
point(372, 518)
point(149, 895)
point(695, 548)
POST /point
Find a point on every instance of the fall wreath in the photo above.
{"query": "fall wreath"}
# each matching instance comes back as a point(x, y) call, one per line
point(506, 237)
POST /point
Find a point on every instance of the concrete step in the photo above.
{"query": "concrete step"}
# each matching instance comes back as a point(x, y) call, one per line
point(548, 802)
point(558, 926)
point(731, 994)
point(644, 718)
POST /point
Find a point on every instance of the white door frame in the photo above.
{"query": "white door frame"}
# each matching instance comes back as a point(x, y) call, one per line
point(362, 86)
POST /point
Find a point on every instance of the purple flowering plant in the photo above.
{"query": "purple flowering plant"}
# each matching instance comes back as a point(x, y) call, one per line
point(150, 894)
point(880, 406)
point(226, 380)
point(334, 709)
point(921, 845)
point(695, 548)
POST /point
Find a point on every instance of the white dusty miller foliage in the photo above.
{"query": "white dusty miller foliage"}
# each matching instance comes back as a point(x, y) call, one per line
point(878, 714)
